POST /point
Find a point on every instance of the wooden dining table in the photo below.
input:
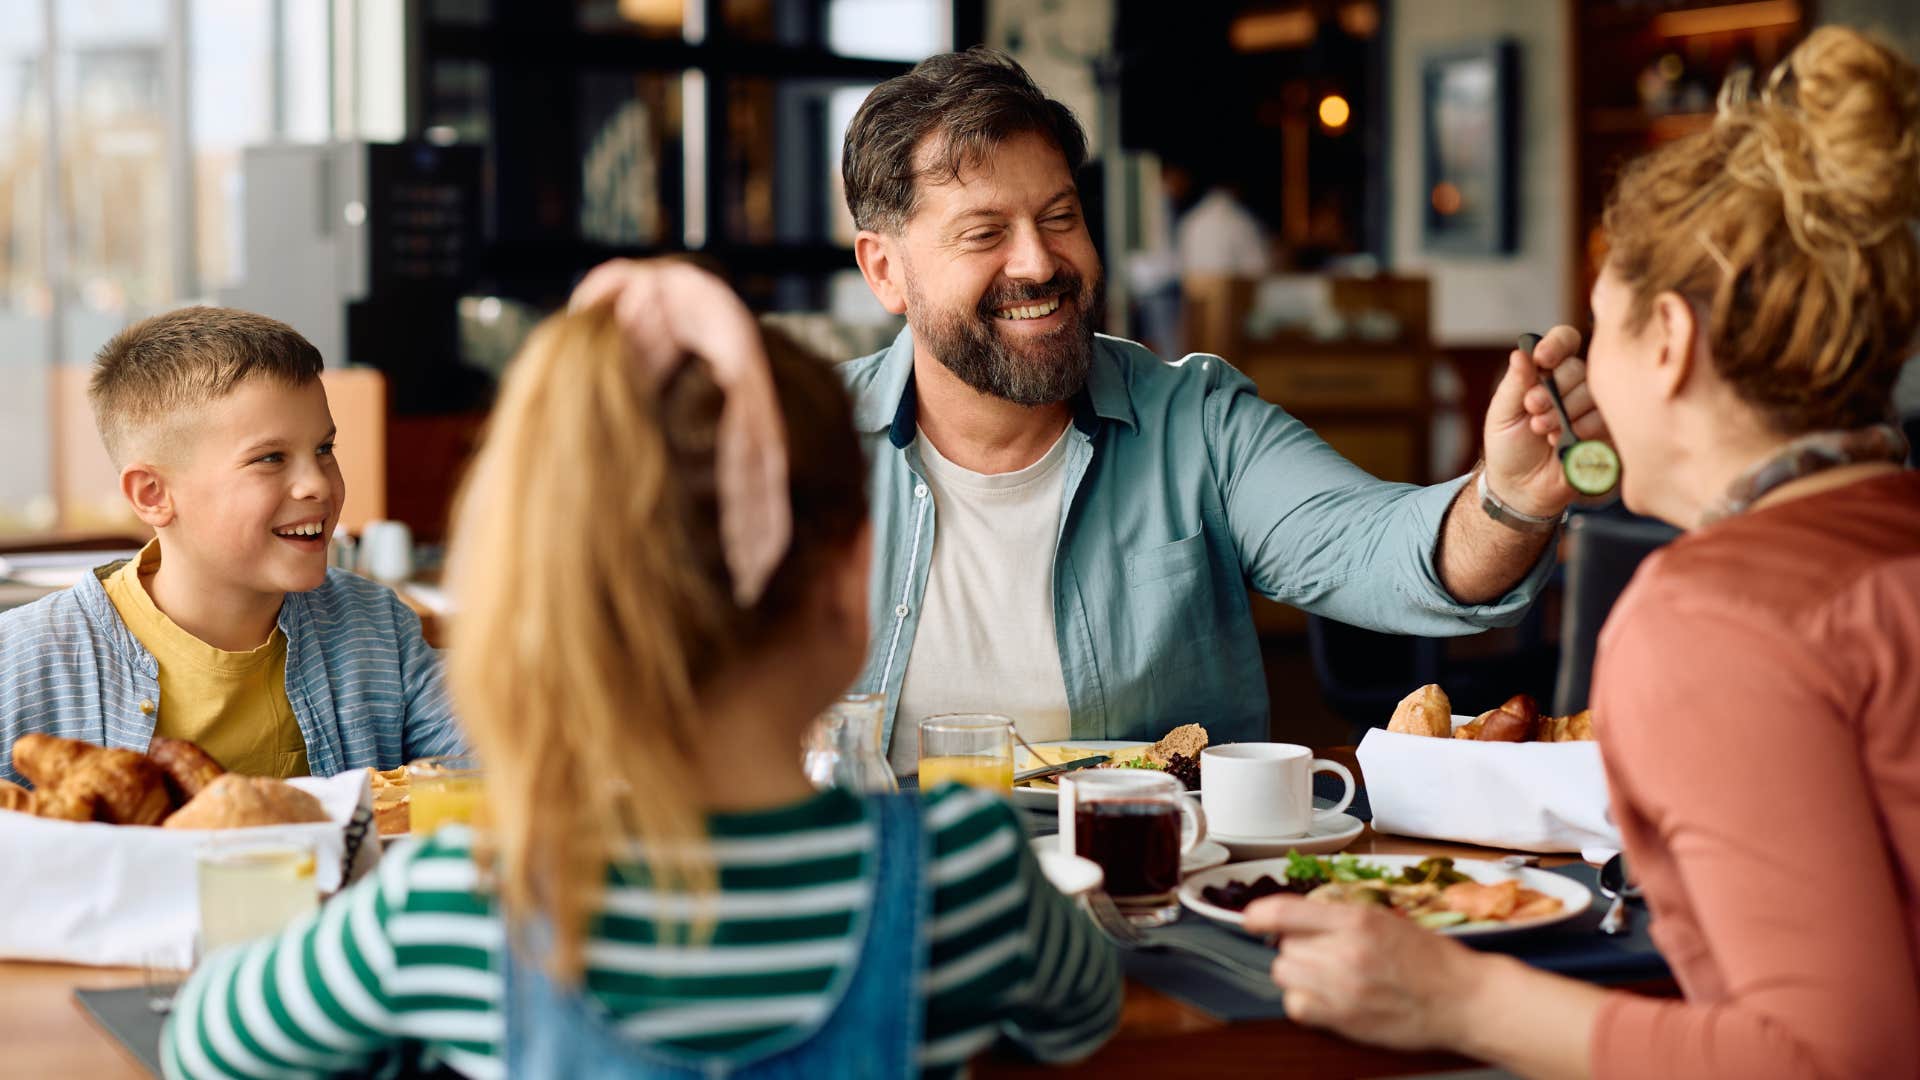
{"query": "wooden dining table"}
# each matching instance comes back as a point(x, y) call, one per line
point(44, 1031)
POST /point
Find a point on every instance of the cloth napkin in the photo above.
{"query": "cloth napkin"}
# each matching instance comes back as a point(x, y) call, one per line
point(87, 893)
point(1526, 796)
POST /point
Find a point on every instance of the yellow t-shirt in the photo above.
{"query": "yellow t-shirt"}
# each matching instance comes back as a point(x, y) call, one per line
point(232, 704)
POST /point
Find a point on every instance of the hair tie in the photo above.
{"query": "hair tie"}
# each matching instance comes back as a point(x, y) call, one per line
point(669, 309)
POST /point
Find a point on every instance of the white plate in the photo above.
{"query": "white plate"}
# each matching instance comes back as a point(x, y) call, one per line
point(1330, 833)
point(1205, 855)
point(1573, 896)
point(1048, 798)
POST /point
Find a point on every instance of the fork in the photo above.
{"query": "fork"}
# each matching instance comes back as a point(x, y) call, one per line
point(1121, 931)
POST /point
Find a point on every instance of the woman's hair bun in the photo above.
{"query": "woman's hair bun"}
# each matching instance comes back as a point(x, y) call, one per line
point(1837, 131)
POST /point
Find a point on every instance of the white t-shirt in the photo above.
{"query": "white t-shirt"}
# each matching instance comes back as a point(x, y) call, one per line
point(1219, 236)
point(985, 641)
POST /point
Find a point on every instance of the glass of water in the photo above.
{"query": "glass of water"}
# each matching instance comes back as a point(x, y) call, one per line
point(249, 890)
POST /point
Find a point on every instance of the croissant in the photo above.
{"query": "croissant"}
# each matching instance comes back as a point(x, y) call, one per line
point(1575, 728)
point(15, 797)
point(233, 801)
point(79, 781)
point(1426, 711)
point(188, 767)
point(42, 804)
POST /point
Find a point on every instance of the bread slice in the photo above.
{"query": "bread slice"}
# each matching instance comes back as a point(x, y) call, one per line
point(1188, 739)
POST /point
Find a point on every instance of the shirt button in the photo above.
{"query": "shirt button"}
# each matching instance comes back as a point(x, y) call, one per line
point(919, 491)
point(901, 611)
point(146, 705)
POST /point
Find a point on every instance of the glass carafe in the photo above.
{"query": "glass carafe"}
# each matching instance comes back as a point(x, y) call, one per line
point(843, 748)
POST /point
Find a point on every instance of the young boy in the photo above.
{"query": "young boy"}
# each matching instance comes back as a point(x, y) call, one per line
point(227, 629)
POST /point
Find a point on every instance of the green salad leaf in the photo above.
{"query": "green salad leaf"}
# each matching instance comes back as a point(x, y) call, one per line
point(1313, 868)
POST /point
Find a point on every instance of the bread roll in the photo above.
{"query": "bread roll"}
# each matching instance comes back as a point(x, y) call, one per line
point(1426, 711)
point(1515, 721)
point(233, 801)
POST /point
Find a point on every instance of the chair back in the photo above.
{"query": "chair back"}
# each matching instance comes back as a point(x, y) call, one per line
point(1603, 551)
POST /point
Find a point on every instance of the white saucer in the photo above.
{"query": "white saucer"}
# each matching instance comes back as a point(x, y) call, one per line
point(1205, 855)
point(1071, 874)
point(1330, 833)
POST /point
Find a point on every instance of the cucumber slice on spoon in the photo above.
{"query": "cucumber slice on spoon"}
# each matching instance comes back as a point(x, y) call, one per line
point(1591, 466)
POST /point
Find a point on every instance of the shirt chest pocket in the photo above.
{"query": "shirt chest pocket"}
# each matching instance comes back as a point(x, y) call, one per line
point(1173, 610)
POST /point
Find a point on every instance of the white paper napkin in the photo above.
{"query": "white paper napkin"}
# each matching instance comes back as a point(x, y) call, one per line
point(1526, 796)
point(87, 893)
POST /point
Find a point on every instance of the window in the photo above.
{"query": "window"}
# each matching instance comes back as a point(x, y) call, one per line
point(122, 125)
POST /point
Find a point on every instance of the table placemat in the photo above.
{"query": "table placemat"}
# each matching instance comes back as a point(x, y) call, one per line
point(126, 1017)
point(1575, 948)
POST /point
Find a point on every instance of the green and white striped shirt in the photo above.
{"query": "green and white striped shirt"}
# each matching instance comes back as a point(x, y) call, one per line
point(411, 958)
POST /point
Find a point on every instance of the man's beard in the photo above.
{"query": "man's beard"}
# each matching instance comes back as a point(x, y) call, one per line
point(1044, 370)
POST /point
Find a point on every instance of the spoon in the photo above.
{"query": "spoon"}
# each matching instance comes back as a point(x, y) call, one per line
point(1614, 884)
point(1591, 466)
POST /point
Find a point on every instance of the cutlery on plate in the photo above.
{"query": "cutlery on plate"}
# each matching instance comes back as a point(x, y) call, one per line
point(1614, 885)
point(1121, 931)
point(1044, 771)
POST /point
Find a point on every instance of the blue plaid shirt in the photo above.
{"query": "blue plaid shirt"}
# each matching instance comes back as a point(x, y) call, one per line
point(364, 685)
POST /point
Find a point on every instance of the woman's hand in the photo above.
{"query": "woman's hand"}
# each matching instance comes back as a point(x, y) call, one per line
point(1367, 973)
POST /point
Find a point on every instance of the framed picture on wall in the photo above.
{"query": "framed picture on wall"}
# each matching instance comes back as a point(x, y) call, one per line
point(1468, 128)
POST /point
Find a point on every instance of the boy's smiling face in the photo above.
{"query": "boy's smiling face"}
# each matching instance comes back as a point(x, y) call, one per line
point(254, 489)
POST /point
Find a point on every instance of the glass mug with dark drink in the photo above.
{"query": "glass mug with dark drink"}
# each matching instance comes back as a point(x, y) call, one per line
point(1130, 822)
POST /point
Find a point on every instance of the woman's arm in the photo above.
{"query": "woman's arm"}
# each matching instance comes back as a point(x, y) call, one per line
point(1380, 978)
point(1726, 741)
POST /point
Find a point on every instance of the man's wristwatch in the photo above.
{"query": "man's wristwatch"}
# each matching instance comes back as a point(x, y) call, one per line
point(1515, 519)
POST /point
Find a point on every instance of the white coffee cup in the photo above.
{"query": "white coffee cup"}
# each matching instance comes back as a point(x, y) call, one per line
point(1265, 790)
point(386, 551)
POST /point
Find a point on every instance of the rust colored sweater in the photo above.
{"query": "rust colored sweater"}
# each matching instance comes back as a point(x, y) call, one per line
point(1757, 698)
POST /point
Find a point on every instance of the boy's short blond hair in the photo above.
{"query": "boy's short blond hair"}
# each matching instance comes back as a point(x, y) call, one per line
point(161, 368)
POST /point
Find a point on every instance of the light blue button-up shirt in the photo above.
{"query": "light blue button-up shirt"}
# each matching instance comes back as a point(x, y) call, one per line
point(1183, 488)
point(364, 686)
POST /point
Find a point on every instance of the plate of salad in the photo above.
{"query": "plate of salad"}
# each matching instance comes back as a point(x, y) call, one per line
point(1461, 897)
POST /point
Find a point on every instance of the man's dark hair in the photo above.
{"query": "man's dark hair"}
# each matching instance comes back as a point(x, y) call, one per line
point(973, 100)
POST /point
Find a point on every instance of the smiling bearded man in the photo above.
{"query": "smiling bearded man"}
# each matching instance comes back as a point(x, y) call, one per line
point(1047, 369)
point(1101, 513)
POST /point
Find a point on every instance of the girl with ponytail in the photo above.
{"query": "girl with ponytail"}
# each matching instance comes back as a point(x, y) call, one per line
point(1756, 693)
point(660, 562)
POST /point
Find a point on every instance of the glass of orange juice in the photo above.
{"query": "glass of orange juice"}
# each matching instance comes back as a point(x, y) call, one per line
point(446, 789)
point(975, 749)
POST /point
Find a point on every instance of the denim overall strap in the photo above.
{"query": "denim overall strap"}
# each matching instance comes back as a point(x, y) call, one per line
point(872, 1032)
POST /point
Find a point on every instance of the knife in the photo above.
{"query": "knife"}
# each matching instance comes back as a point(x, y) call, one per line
point(1045, 771)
